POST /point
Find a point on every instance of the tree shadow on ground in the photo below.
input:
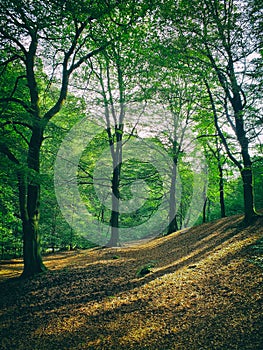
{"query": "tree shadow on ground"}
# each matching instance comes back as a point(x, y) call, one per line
point(58, 296)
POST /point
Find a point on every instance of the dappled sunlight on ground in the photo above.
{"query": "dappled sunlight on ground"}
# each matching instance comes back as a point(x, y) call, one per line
point(202, 293)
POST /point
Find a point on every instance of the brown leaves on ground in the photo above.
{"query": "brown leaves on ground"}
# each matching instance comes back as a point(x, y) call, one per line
point(202, 293)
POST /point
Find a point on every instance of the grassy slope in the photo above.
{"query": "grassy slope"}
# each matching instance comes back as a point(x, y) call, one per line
point(202, 293)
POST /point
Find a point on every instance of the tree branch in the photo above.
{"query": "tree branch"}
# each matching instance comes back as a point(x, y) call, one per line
point(16, 100)
point(16, 123)
point(20, 134)
point(5, 150)
point(9, 60)
point(221, 135)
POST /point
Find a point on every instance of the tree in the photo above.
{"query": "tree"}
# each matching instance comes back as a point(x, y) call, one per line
point(32, 32)
point(217, 36)
point(178, 94)
point(113, 71)
point(216, 161)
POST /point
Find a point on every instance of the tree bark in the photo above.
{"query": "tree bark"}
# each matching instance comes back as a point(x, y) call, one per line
point(114, 220)
point(246, 171)
point(116, 153)
point(173, 226)
point(247, 178)
point(204, 210)
point(221, 191)
point(29, 198)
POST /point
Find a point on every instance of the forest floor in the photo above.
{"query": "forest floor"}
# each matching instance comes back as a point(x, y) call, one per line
point(204, 291)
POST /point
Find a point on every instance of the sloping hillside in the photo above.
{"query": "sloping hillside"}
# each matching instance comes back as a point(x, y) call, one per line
point(202, 292)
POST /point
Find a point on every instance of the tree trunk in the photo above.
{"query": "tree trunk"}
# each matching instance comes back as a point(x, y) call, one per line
point(221, 191)
point(172, 227)
point(71, 239)
point(204, 210)
point(247, 178)
point(114, 220)
point(29, 198)
point(33, 263)
point(246, 171)
point(245, 168)
point(116, 172)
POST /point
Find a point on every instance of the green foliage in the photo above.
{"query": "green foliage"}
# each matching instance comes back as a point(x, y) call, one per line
point(10, 225)
point(145, 269)
point(144, 175)
point(115, 257)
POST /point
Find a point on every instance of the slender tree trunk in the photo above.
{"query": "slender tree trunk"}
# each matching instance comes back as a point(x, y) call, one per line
point(172, 201)
point(204, 210)
point(247, 178)
point(205, 200)
point(181, 216)
point(114, 220)
point(29, 197)
point(71, 239)
point(116, 173)
point(221, 191)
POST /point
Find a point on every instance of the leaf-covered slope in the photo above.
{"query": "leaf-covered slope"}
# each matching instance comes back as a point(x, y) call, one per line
point(202, 292)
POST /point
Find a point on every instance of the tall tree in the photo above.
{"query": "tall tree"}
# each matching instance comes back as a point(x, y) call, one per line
point(216, 159)
point(114, 78)
point(178, 94)
point(55, 32)
point(217, 35)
